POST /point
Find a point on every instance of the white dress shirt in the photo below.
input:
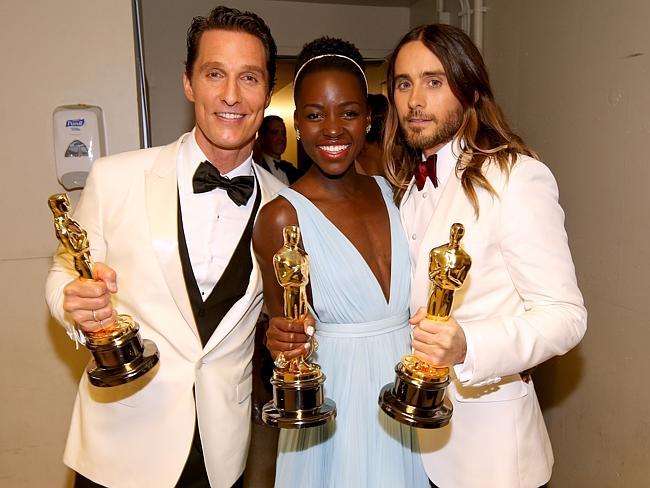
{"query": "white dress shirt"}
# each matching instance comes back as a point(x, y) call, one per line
point(420, 205)
point(213, 224)
point(418, 210)
point(278, 173)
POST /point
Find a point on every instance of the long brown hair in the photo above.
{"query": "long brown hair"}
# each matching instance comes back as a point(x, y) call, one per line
point(484, 133)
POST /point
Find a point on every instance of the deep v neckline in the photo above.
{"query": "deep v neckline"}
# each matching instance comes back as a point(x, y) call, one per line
point(356, 250)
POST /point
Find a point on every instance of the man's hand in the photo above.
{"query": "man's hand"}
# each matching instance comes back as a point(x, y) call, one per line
point(290, 336)
point(89, 302)
point(440, 343)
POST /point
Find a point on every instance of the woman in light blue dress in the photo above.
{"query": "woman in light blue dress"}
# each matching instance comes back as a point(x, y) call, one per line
point(359, 286)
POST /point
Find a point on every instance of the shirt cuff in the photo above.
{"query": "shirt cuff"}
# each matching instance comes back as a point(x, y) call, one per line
point(76, 335)
point(465, 370)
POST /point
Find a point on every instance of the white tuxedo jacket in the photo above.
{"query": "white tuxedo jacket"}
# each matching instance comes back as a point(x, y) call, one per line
point(139, 434)
point(519, 306)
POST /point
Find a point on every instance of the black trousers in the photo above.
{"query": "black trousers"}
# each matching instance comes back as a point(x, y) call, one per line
point(83, 482)
point(194, 474)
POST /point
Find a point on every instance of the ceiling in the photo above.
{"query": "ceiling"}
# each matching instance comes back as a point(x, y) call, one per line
point(372, 3)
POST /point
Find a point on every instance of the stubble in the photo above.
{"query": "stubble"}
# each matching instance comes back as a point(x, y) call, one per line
point(423, 138)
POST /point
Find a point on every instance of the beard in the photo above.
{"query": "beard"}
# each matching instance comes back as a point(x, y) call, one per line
point(442, 131)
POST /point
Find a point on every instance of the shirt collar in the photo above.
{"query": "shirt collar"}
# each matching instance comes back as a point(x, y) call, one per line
point(198, 156)
point(447, 158)
point(191, 155)
point(268, 158)
point(446, 162)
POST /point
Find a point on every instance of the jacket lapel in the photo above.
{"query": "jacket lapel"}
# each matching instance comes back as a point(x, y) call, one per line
point(162, 206)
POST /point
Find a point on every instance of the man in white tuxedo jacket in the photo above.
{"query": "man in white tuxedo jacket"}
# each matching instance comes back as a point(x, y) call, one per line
point(452, 158)
point(170, 231)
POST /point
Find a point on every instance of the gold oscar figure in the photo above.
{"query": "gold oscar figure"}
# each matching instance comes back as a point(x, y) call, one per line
point(298, 399)
point(417, 396)
point(119, 355)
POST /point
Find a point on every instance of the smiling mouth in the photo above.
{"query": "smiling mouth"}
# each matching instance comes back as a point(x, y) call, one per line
point(229, 115)
point(335, 149)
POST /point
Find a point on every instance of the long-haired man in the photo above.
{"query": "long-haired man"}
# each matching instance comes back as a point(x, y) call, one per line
point(452, 157)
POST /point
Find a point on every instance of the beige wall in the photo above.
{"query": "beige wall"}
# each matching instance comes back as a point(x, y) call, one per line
point(374, 30)
point(573, 77)
point(54, 53)
point(422, 12)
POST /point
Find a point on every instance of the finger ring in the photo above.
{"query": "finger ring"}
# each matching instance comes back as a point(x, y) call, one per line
point(280, 362)
point(95, 317)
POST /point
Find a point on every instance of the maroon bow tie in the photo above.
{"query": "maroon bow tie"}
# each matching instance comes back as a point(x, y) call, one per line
point(424, 169)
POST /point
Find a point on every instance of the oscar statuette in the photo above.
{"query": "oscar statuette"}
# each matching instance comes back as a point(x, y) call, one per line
point(119, 355)
point(416, 398)
point(298, 399)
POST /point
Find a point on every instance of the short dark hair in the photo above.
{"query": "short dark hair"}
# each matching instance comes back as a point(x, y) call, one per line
point(266, 122)
point(231, 19)
point(328, 45)
point(378, 107)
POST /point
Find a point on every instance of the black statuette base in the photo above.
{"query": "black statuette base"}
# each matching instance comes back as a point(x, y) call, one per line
point(298, 404)
point(416, 402)
point(119, 362)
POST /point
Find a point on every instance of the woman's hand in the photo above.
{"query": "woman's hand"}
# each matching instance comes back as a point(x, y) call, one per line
point(291, 337)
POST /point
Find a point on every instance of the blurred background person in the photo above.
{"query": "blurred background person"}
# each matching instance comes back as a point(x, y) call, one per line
point(272, 139)
point(369, 160)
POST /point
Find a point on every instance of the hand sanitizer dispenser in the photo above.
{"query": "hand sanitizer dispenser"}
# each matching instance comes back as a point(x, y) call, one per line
point(78, 141)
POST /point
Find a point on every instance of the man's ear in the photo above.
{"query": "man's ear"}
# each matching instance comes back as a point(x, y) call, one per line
point(187, 88)
point(268, 99)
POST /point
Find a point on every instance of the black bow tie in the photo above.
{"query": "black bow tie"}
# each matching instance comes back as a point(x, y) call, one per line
point(277, 163)
point(207, 178)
